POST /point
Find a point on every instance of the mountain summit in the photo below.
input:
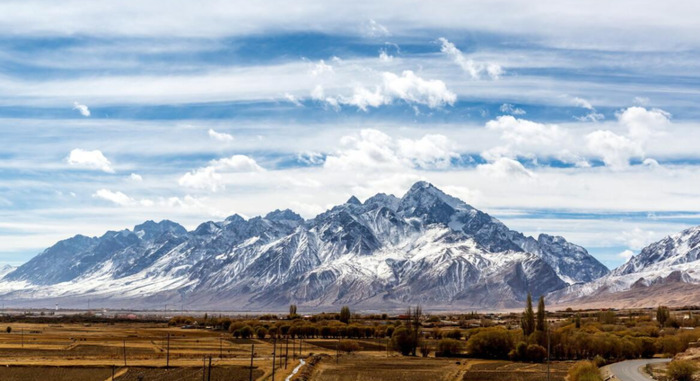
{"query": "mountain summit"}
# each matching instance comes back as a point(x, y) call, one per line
point(426, 247)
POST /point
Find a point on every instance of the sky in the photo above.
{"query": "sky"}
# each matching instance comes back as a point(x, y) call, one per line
point(572, 118)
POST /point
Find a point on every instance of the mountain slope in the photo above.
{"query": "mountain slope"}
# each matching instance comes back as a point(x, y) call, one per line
point(426, 247)
point(652, 277)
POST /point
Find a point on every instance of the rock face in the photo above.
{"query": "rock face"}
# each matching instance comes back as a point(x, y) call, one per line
point(426, 247)
point(662, 273)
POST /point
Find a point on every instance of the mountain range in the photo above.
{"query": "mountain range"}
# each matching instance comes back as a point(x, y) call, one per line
point(425, 248)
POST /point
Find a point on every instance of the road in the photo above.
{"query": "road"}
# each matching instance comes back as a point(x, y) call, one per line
point(631, 370)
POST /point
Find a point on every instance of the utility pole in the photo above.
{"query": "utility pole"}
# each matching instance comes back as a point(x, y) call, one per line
point(124, 352)
point(204, 368)
point(252, 353)
point(548, 350)
point(167, 354)
point(22, 334)
point(112, 373)
point(337, 350)
point(286, 353)
point(209, 372)
point(274, 349)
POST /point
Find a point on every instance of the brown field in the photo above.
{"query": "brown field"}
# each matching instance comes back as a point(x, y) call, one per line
point(88, 352)
point(509, 371)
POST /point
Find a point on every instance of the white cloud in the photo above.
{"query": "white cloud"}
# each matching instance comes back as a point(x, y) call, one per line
point(642, 123)
point(374, 29)
point(293, 99)
point(615, 150)
point(626, 255)
point(373, 150)
point(136, 177)
point(504, 168)
point(83, 109)
point(637, 238)
point(89, 160)
point(385, 57)
point(118, 198)
point(522, 131)
point(592, 116)
point(476, 70)
point(213, 176)
point(510, 109)
point(321, 68)
point(220, 136)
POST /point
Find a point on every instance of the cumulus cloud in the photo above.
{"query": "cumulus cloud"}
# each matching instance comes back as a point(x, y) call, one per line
point(220, 136)
point(476, 70)
point(385, 57)
point(637, 238)
point(212, 176)
point(407, 87)
point(615, 150)
point(642, 123)
point(118, 198)
point(373, 150)
point(136, 177)
point(508, 108)
point(89, 160)
point(522, 131)
point(82, 109)
point(504, 167)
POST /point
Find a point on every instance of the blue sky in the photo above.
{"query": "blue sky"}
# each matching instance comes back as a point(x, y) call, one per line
point(570, 118)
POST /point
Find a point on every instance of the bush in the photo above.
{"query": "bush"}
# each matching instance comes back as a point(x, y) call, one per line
point(246, 332)
point(453, 334)
point(424, 348)
point(261, 332)
point(8, 329)
point(402, 341)
point(681, 370)
point(519, 353)
point(493, 343)
point(448, 348)
point(536, 353)
point(348, 346)
point(584, 371)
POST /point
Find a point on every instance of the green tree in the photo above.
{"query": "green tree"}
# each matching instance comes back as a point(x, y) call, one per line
point(528, 319)
point(492, 343)
point(448, 348)
point(345, 314)
point(246, 332)
point(541, 316)
point(261, 332)
point(293, 311)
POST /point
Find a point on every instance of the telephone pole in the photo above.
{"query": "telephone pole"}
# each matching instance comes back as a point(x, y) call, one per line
point(274, 349)
point(252, 353)
point(548, 351)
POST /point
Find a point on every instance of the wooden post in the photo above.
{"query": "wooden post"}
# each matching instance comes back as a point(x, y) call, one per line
point(22, 330)
point(167, 354)
point(124, 352)
point(337, 350)
point(252, 353)
point(112, 373)
point(221, 347)
point(204, 368)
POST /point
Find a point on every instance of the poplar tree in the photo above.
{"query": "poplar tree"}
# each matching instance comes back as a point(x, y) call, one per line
point(528, 320)
point(541, 316)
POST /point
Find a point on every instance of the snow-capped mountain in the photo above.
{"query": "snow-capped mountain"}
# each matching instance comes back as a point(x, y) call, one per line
point(425, 247)
point(649, 277)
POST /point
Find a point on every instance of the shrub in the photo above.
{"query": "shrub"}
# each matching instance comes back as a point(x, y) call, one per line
point(519, 353)
point(8, 329)
point(584, 371)
point(402, 341)
point(348, 346)
point(681, 370)
point(424, 348)
point(261, 332)
point(536, 353)
point(448, 348)
point(453, 334)
point(492, 343)
point(246, 332)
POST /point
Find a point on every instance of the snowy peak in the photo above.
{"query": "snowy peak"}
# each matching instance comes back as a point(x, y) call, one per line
point(673, 251)
point(426, 247)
